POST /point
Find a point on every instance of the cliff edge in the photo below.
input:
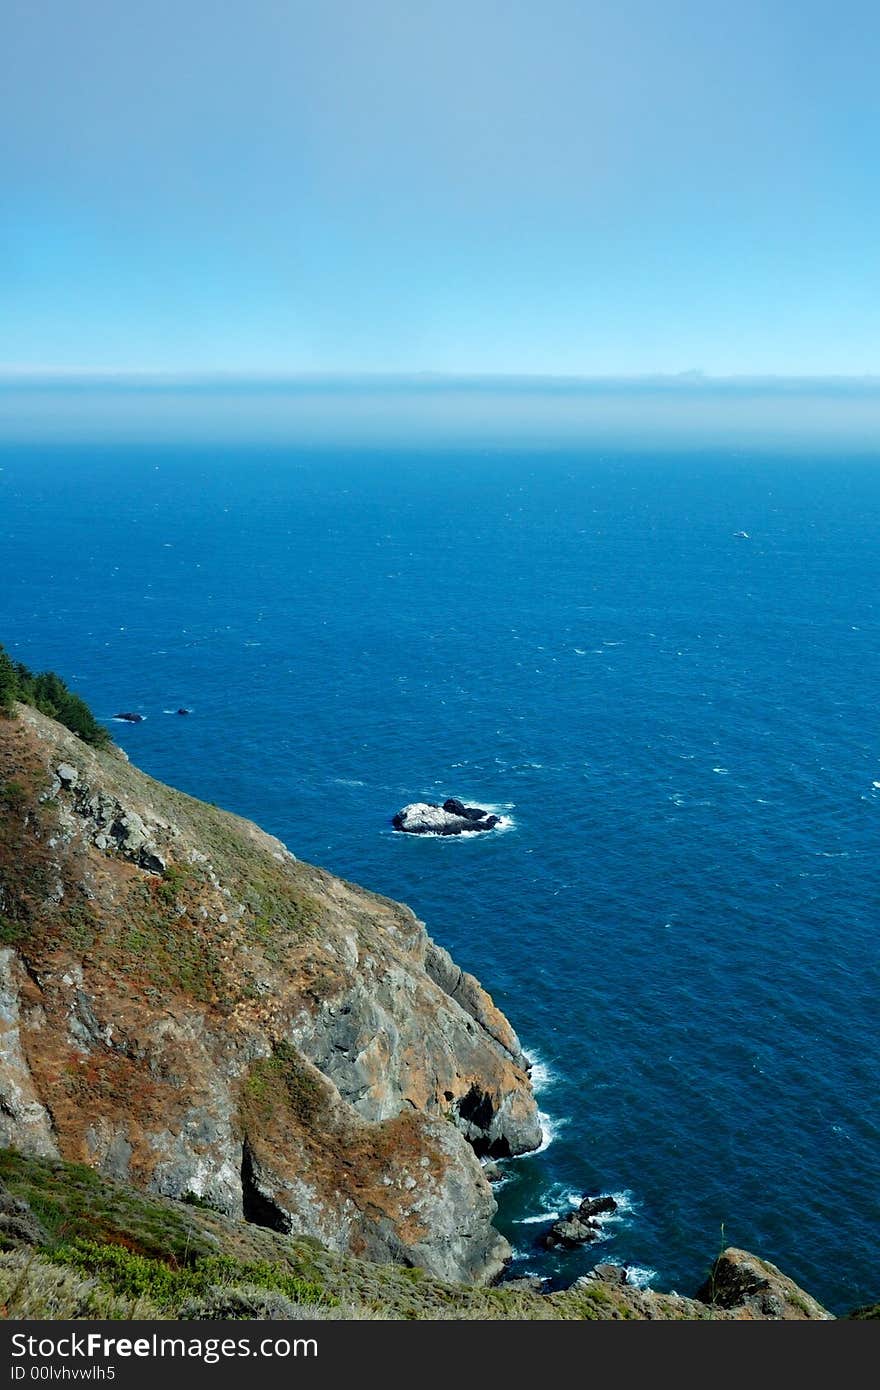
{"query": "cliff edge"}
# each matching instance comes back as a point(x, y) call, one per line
point(187, 1008)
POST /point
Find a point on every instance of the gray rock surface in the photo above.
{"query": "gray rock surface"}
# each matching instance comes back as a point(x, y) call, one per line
point(18, 1225)
point(427, 818)
point(741, 1281)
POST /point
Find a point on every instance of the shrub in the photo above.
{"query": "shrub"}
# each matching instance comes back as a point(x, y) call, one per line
point(167, 1286)
point(48, 693)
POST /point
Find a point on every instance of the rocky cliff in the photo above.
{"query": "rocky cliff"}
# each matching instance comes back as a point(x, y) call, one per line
point(186, 1007)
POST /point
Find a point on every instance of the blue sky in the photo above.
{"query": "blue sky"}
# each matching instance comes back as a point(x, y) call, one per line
point(408, 185)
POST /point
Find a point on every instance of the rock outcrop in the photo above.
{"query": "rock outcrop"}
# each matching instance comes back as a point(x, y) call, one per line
point(581, 1226)
point(756, 1288)
point(186, 1007)
point(734, 1297)
point(18, 1225)
point(452, 818)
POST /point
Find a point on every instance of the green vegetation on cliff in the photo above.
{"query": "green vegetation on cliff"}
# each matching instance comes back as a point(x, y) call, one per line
point(94, 1247)
point(49, 694)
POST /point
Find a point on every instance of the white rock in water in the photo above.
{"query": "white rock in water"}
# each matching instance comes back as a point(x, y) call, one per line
point(426, 818)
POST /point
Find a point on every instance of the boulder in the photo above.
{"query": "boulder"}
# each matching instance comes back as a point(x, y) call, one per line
point(596, 1206)
point(134, 840)
point(570, 1232)
point(130, 718)
point(756, 1288)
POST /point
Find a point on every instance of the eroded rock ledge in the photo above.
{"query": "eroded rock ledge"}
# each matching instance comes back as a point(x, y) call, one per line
point(186, 1007)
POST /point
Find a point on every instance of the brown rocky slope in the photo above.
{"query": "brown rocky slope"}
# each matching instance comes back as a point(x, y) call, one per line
point(187, 1008)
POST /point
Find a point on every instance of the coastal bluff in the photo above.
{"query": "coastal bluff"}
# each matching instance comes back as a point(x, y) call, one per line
point(188, 1009)
point(233, 1085)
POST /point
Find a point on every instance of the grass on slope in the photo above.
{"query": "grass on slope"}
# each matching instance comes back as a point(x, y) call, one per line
point(112, 1249)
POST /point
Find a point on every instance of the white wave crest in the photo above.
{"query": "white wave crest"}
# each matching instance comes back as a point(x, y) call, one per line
point(534, 1220)
point(638, 1276)
point(550, 1128)
point(542, 1075)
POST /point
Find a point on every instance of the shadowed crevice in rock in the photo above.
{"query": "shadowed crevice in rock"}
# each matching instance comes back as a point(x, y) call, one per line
point(476, 1112)
point(257, 1207)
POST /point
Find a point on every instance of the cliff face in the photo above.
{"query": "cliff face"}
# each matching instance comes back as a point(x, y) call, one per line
point(186, 1007)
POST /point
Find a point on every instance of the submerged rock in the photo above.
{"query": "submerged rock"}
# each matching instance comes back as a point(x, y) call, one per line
point(452, 818)
point(130, 718)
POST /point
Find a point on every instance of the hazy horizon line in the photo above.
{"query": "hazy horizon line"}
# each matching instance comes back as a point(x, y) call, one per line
point(18, 376)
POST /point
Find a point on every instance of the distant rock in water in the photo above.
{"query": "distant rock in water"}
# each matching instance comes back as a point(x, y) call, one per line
point(452, 818)
point(130, 718)
point(580, 1227)
point(183, 710)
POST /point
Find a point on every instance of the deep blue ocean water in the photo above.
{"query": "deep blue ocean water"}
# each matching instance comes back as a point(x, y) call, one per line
point(683, 724)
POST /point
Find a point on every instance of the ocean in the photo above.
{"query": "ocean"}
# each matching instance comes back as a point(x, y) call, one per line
point(680, 720)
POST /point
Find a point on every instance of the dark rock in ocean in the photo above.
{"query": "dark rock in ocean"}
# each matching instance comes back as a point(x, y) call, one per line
point(471, 813)
point(452, 818)
point(182, 710)
point(570, 1232)
point(130, 718)
point(596, 1206)
point(579, 1227)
